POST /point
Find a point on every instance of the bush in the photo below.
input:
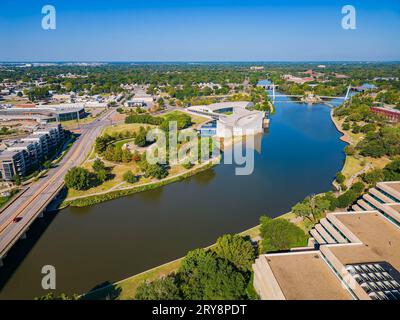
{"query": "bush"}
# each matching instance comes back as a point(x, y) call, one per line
point(373, 176)
point(236, 250)
point(159, 289)
point(130, 177)
point(98, 165)
point(346, 126)
point(78, 178)
point(392, 171)
point(143, 118)
point(349, 150)
point(203, 276)
point(280, 234)
point(350, 196)
point(340, 178)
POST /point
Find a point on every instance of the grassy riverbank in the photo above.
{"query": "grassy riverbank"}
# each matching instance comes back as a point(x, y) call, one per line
point(91, 200)
point(126, 289)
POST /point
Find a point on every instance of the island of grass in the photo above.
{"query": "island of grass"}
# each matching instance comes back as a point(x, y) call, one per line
point(117, 165)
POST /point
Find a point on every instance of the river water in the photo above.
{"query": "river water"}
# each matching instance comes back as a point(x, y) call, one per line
point(298, 156)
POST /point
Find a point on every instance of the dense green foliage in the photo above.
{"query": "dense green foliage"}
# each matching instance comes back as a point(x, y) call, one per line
point(311, 208)
point(385, 142)
point(159, 289)
point(78, 178)
point(130, 177)
point(280, 234)
point(143, 118)
point(236, 250)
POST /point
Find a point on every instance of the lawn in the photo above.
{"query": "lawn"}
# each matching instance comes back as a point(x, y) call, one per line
point(119, 128)
point(195, 119)
point(351, 166)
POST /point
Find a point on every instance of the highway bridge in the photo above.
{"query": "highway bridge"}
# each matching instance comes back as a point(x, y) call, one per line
point(22, 212)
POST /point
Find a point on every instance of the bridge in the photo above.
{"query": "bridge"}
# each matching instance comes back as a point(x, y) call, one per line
point(18, 216)
point(274, 95)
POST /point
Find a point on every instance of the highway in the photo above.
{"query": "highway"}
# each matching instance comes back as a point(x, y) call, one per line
point(34, 200)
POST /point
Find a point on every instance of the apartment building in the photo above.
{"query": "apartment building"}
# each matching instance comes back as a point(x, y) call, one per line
point(25, 155)
point(351, 255)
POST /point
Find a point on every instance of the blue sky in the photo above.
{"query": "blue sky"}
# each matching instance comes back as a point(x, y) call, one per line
point(176, 30)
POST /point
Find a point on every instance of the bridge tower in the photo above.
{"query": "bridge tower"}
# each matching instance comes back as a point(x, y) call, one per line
point(347, 93)
point(273, 92)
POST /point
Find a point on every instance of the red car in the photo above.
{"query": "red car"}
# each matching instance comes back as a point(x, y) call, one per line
point(17, 219)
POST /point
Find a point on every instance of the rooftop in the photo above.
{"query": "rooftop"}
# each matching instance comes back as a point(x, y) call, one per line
point(380, 239)
point(306, 276)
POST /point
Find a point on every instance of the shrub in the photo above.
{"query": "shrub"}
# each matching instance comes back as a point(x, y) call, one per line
point(340, 178)
point(280, 234)
point(78, 178)
point(130, 177)
point(203, 276)
point(159, 289)
point(143, 118)
point(236, 250)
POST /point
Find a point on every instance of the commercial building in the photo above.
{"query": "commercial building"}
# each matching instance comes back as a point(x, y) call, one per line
point(389, 113)
point(351, 255)
point(233, 118)
point(25, 155)
point(43, 113)
point(140, 101)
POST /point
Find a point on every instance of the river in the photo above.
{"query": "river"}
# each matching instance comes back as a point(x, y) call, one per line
point(298, 156)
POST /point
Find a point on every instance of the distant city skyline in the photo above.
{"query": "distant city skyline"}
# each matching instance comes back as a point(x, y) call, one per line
point(191, 31)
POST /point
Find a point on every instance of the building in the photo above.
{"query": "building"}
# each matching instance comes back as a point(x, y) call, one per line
point(233, 118)
point(140, 101)
point(389, 113)
point(12, 163)
point(351, 255)
point(43, 113)
point(25, 155)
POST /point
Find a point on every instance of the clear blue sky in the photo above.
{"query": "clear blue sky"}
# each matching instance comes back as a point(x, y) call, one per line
point(212, 30)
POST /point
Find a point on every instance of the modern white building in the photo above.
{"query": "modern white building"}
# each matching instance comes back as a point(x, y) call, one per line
point(233, 117)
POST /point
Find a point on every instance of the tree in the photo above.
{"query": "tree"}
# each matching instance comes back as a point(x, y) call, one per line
point(203, 276)
point(126, 155)
point(153, 170)
point(159, 289)
point(140, 139)
point(340, 178)
point(98, 165)
point(280, 234)
point(78, 178)
point(311, 208)
point(17, 179)
point(61, 296)
point(101, 175)
point(373, 176)
point(236, 250)
point(130, 177)
point(392, 170)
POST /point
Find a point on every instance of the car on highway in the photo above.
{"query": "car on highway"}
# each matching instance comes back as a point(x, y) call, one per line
point(17, 219)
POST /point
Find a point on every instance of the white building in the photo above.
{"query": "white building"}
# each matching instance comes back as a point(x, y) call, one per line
point(233, 118)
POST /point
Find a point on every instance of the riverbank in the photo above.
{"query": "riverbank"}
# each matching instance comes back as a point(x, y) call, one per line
point(355, 165)
point(126, 289)
point(83, 201)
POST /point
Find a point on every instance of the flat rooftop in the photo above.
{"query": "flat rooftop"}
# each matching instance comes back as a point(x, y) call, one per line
point(380, 239)
point(306, 276)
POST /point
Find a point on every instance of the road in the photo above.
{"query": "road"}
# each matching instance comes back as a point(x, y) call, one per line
point(34, 200)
